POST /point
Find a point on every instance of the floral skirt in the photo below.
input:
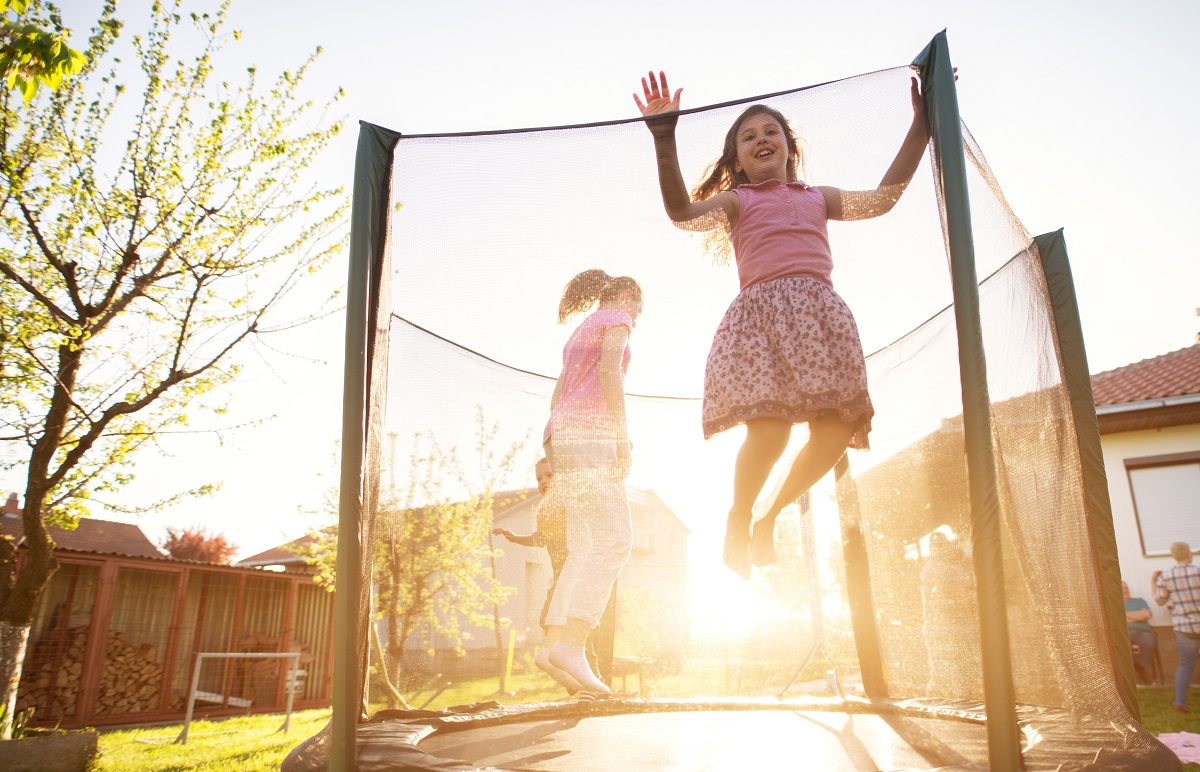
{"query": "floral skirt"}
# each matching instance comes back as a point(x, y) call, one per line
point(787, 349)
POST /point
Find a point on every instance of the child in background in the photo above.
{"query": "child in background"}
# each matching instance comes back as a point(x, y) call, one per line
point(551, 533)
point(787, 350)
point(587, 443)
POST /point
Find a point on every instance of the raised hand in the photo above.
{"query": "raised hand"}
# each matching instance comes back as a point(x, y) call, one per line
point(918, 97)
point(660, 108)
point(918, 100)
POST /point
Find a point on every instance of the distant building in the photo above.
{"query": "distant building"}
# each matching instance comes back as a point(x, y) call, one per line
point(1149, 415)
point(656, 571)
point(653, 587)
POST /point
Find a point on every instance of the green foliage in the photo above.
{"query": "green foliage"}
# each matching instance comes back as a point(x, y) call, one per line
point(20, 720)
point(433, 559)
point(132, 268)
point(34, 50)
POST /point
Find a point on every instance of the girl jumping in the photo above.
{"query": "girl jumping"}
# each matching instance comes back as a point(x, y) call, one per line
point(587, 445)
point(787, 350)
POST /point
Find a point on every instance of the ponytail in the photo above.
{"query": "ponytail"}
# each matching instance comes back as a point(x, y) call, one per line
point(591, 287)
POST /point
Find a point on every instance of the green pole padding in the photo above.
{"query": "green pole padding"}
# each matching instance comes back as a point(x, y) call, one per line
point(368, 236)
point(1052, 249)
point(941, 106)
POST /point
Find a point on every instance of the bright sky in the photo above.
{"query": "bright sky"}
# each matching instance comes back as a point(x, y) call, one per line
point(1084, 112)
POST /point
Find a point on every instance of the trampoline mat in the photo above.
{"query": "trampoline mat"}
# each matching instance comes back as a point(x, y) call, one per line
point(675, 735)
point(716, 740)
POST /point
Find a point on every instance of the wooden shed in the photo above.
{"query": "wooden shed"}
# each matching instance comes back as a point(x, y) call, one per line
point(116, 633)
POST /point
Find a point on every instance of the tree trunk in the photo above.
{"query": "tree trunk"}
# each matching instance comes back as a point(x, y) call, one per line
point(394, 698)
point(500, 658)
point(13, 639)
point(19, 593)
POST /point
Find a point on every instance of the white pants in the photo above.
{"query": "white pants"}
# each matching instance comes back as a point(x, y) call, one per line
point(599, 531)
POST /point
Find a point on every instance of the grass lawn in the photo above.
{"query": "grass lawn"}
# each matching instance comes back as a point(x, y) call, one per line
point(251, 743)
point(1159, 717)
point(243, 744)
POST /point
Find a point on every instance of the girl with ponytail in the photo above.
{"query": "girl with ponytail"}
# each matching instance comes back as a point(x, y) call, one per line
point(587, 444)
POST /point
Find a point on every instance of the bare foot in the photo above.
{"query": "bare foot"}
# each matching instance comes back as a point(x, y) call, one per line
point(762, 542)
point(737, 543)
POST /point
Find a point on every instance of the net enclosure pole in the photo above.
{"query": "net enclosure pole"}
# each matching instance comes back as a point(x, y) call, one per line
point(1052, 250)
point(941, 107)
point(858, 582)
point(368, 240)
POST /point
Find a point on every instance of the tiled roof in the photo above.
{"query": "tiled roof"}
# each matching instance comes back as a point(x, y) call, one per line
point(1170, 375)
point(284, 553)
point(100, 536)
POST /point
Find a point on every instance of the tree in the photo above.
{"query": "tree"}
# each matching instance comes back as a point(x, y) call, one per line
point(135, 269)
point(432, 555)
point(30, 55)
point(197, 544)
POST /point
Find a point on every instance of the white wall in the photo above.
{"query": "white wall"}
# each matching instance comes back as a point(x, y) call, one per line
point(1135, 567)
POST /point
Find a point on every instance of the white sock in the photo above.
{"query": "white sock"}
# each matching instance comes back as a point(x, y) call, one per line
point(542, 660)
point(573, 660)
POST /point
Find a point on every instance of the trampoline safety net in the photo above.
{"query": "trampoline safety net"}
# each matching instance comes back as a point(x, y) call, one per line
point(470, 239)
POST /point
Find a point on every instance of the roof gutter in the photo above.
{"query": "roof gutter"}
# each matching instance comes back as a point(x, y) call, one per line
point(1148, 404)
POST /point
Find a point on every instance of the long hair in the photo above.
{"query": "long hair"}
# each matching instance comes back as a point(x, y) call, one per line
point(591, 287)
point(722, 174)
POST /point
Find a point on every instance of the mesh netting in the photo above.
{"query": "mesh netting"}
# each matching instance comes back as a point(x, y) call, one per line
point(486, 229)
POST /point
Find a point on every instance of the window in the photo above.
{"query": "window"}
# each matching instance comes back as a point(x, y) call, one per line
point(1166, 500)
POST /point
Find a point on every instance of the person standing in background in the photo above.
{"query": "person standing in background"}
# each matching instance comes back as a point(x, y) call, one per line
point(1178, 588)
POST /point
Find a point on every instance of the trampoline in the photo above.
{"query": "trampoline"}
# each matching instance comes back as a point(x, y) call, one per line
point(714, 736)
point(985, 432)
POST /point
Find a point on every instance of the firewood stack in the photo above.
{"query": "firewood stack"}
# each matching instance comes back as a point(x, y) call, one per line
point(34, 691)
point(131, 681)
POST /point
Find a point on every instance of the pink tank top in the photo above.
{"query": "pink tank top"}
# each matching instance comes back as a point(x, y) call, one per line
point(580, 397)
point(781, 231)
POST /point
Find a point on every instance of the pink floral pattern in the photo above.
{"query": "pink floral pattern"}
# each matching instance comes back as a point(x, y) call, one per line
point(787, 349)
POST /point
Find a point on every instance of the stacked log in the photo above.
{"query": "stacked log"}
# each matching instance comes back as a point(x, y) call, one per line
point(42, 670)
point(132, 679)
point(130, 683)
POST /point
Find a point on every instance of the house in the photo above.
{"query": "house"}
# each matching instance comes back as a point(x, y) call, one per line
point(1149, 415)
point(652, 589)
point(116, 632)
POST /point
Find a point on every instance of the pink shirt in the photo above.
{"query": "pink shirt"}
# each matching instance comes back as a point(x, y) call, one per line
point(580, 397)
point(781, 231)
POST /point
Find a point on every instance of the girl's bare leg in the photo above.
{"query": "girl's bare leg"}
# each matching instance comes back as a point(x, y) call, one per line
point(766, 439)
point(827, 441)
